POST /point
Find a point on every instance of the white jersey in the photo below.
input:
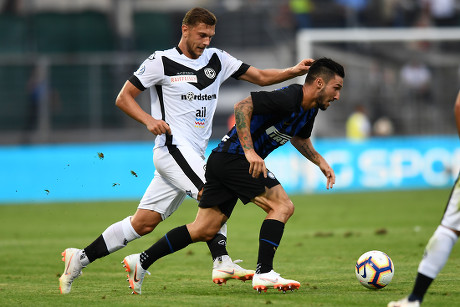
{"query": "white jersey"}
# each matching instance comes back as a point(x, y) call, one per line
point(184, 92)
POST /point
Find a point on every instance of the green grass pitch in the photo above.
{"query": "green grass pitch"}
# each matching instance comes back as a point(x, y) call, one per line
point(321, 244)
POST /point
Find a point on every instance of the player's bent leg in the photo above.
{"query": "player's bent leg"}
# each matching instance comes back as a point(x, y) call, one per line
point(264, 281)
point(72, 269)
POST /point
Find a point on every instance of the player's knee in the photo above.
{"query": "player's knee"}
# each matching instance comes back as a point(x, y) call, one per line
point(207, 236)
point(142, 230)
point(144, 227)
point(289, 208)
point(202, 234)
point(145, 221)
point(285, 209)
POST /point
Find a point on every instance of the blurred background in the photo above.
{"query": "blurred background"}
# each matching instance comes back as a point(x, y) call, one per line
point(62, 63)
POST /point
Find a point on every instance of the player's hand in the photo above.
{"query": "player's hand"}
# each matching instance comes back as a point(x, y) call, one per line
point(330, 175)
point(330, 179)
point(303, 67)
point(157, 127)
point(256, 164)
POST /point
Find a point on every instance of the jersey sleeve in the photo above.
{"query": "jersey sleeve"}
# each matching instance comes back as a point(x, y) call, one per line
point(232, 67)
point(150, 72)
point(282, 101)
point(241, 71)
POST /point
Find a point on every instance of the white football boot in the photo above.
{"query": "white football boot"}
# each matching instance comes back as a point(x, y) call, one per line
point(224, 269)
point(72, 269)
point(404, 303)
point(135, 271)
point(261, 282)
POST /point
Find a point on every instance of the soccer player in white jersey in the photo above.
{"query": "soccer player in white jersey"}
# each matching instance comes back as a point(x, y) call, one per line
point(184, 87)
point(441, 243)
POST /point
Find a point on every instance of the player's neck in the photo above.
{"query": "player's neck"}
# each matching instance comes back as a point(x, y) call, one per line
point(309, 97)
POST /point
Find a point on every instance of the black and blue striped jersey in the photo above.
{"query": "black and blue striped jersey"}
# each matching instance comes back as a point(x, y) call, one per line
point(277, 116)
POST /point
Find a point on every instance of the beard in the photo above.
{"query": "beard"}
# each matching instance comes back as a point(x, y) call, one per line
point(193, 52)
point(322, 101)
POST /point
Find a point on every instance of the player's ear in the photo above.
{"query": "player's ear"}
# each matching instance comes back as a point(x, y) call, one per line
point(320, 83)
point(184, 30)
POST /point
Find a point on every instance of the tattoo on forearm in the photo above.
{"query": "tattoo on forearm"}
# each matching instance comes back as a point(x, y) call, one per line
point(309, 152)
point(243, 112)
point(239, 119)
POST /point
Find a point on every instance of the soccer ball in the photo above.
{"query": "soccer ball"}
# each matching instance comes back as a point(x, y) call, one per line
point(374, 269)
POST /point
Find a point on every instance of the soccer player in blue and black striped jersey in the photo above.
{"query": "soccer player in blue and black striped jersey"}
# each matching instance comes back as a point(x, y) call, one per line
point(236, 168)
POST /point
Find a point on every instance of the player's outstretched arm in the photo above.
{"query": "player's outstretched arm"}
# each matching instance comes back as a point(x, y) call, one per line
point(127, 103)
point(265, 77)
point(243, 114)
point(305, 147)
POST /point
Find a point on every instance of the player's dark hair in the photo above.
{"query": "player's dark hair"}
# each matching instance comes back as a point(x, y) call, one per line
point(324, 68)
point(199, 15)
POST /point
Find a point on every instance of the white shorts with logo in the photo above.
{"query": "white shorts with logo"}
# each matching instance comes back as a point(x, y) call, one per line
point(451, 217)
point(179, 171)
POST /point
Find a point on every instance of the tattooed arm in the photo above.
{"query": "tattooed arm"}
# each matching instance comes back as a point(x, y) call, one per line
point(243, 114)
point(305, 147)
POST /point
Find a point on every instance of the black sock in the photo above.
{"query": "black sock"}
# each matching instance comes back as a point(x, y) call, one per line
point(422, 283)
point(270, 236)
point(97, 249)
point(218, 246)
point(176, 239)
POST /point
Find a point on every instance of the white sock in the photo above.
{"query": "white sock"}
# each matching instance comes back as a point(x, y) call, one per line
point(225, 259)
point(223, 230)
point(437, 252)
point(117, 235)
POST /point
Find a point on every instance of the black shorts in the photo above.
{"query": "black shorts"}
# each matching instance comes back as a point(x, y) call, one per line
point(228, 178)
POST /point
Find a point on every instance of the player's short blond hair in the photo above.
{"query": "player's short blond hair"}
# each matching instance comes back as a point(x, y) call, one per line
point(199, 15)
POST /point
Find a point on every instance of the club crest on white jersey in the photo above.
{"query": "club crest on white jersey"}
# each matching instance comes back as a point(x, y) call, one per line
point(210, 73)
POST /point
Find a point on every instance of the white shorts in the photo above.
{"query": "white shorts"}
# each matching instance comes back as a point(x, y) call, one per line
point(451, 217)
point(179, 171)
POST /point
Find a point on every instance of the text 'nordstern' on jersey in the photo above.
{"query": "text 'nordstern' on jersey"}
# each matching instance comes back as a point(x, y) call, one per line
point(190, 96)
